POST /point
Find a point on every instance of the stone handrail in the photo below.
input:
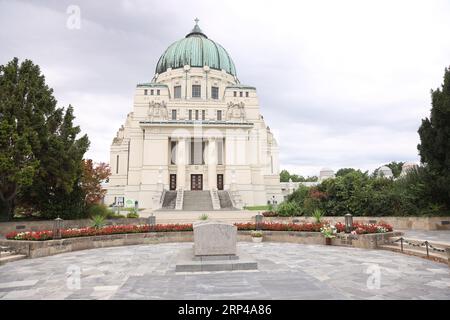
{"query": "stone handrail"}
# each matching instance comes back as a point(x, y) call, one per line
point(215, 198)
point(180, 199)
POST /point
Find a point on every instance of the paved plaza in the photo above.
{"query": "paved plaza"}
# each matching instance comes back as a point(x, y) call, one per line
point(286, 271)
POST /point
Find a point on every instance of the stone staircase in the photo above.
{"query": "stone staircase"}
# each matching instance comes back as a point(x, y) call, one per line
point(8, 255)
point(169, 201)
point(197, 201)
point(179, 200)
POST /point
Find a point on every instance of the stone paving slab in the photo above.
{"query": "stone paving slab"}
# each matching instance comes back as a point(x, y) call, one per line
point(286, 271)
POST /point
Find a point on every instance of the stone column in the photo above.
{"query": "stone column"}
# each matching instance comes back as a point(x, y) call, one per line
point(181, 163)
point(212, 163)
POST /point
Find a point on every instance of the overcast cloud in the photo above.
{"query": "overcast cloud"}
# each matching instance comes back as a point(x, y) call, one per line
point(341, 83)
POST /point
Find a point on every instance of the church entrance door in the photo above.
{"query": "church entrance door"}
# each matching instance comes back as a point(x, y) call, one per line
point(220, 182)
point(173, 182)
point(196, 182)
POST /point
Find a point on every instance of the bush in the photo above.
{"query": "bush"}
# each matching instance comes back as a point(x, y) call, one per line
point(358, 193)
point(98, 210)
point(288, 209)
point(114, 215)
point(256, 234)
point(317, 214)
point(133, 214)
point(97, 222)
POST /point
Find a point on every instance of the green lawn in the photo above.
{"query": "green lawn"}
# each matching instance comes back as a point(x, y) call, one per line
point(263, 207)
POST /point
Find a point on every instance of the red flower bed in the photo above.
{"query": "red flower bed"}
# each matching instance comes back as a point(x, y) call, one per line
point(277, 226)
point(359, 228)
point(90, 231)
point(33, 235)
point(364, 228)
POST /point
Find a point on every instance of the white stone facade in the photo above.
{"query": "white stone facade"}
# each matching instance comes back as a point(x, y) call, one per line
point(172, 140)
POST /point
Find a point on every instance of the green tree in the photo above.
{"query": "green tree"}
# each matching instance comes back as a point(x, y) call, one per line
point(284, 176)
point(344, 171)
point(25, 101)
point(346, 194)
point(396, 168)
point(57, 186)
point(17, 165)
point(40, 156)
point(434, 148)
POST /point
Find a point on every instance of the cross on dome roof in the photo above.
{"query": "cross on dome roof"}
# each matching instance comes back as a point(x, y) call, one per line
point(196, 30)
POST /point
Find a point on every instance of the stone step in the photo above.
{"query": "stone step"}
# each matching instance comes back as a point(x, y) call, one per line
point(11, 258)
point(6, 253)
point(416, 251)
point(197, 200)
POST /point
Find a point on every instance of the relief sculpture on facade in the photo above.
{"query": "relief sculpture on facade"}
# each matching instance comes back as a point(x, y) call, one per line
point(236, 112)
point(157, 111)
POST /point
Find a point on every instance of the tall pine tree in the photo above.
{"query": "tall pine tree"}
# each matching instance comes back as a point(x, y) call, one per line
point(434, 148)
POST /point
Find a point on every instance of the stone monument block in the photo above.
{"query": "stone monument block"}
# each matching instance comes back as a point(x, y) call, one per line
point(214, 238)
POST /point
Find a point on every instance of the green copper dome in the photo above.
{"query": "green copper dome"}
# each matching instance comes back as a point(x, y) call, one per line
point(195, 50)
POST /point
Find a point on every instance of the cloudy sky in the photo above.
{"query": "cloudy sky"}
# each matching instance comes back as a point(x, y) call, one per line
point(341, 83)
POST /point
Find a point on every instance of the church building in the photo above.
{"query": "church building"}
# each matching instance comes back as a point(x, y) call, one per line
point(195, 139)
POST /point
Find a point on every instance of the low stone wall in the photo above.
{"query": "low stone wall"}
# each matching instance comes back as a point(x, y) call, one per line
point(407, 223)
point(365, 241)
point(414, 223)
point(35, 249)
point(42, 225)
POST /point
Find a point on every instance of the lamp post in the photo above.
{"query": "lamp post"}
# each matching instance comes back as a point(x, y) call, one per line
point(348, 223)
point(258, 221)
point(57, 226)
point(152, 220)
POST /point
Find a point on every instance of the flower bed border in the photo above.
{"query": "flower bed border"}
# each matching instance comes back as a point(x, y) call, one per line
point(46, 235)
point(34, 249)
